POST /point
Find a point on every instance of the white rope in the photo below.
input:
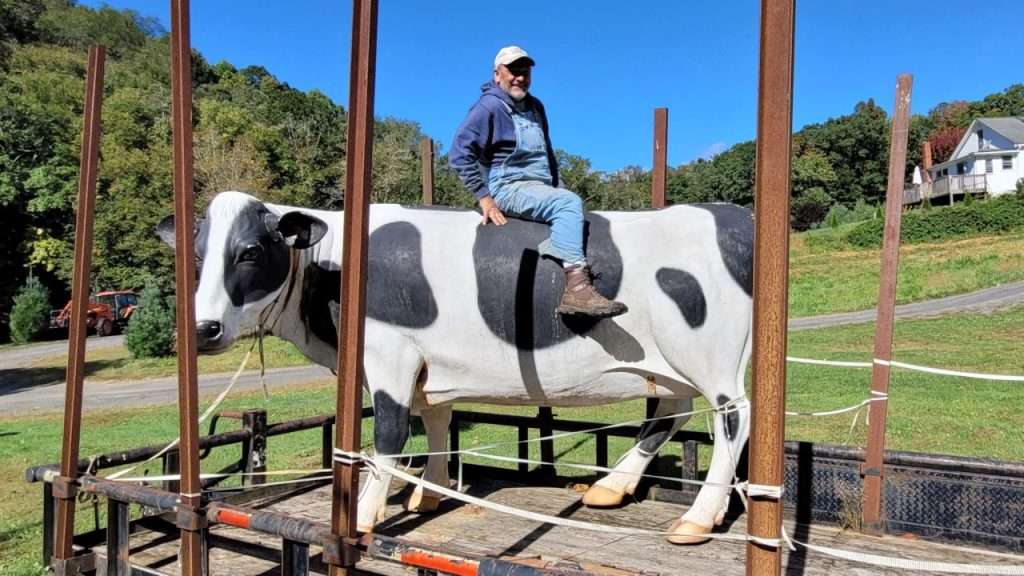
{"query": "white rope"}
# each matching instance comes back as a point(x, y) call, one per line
point(877, 397)
point(910, 564)
point(795, 360)
point(907, 366)
point(733, 405)
point(945, 372)
point(220, 398)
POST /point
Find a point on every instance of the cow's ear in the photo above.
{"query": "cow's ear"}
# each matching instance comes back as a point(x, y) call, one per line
point(165, 230)
point(301, 230)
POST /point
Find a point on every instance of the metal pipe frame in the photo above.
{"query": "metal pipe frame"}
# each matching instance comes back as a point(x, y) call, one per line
point(87, 174)
point(771, 278)
point(351, 321)
point(873, 470)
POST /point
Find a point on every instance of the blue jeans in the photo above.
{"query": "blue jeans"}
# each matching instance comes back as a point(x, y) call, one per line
point(560, 208)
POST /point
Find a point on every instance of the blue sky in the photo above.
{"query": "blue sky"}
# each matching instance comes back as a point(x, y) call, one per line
point(603, 66)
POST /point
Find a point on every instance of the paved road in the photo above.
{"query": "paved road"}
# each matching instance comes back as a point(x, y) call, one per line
point(50, 397)
point(988, 300)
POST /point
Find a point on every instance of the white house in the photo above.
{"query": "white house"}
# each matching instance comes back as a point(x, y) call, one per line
point(988, 160)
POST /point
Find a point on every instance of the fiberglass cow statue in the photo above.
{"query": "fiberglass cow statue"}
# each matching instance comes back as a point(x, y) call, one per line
point(458, 312)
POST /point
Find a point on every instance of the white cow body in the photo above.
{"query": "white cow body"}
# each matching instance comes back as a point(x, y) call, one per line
point(651, 351)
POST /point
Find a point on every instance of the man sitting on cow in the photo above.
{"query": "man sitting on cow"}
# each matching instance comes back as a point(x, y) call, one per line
point(502, 153)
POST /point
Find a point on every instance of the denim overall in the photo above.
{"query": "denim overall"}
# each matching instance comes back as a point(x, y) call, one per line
point(521, 187)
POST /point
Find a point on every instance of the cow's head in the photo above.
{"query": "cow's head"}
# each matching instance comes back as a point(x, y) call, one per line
point(243, 251)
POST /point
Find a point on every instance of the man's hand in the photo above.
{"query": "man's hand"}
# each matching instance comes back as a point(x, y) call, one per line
point(491, 211)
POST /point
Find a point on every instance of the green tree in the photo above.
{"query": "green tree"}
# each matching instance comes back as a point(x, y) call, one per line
point(150, 332)
point(30, 312)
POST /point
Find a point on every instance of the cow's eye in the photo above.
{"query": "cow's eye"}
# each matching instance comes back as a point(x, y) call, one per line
point(250, 254)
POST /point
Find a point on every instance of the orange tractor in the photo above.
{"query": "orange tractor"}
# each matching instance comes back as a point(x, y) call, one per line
point(108, 312)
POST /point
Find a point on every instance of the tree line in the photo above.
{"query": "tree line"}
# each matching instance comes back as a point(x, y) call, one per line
point(253, 132)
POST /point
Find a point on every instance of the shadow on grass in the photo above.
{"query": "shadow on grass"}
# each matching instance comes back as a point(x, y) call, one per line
point(17, 379)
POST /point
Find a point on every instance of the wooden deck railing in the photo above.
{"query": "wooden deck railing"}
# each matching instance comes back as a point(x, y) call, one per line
point(946, 186)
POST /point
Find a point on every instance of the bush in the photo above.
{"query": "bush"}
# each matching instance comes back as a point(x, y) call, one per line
point(809, 208)
point(150, 332)
point(970, 218)
point(31, 311)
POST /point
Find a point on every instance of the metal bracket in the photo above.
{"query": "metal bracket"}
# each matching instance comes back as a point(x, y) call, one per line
point(191, 519)
point(866, 471)
point(64, 488)
point(74, 566)
point(340, 551)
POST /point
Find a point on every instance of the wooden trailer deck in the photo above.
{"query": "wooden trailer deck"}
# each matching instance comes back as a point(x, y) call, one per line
point(468, 529)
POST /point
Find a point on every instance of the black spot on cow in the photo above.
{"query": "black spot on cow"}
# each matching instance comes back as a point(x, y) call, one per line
point(686, 292)
point(734, 230)
point(390, 424)
point(732, 418)
point(256, 259)
point(518, 291)
point(320, 287)
point(397, 291)
point(655, 433)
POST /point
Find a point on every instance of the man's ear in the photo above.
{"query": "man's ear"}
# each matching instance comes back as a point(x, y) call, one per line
point(165, 230)
point(301, 230)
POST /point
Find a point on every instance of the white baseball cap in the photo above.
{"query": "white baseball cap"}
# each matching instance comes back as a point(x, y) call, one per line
point(510, 54)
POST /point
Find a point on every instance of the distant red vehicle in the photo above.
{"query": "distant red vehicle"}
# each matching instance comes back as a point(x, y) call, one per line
point(108, 312)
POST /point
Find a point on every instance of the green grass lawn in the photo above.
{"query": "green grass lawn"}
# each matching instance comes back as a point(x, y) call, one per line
point(927, 413)
point(827, 276)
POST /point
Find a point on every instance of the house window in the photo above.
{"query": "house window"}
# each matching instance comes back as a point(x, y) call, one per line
point(988, 165)
point(981, 139)
point(960, 168)
point(1007, 162)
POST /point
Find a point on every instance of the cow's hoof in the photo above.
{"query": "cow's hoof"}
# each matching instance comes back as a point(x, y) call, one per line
point(600, 497)
point(686, 532)
point(421, 502)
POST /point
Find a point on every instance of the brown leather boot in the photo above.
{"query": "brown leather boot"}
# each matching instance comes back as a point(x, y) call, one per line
point(580, 297)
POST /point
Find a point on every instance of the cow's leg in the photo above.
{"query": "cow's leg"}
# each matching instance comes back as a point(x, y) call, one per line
point(610, 490)
point(391, 380)
point(435, 421)
point(708, 509)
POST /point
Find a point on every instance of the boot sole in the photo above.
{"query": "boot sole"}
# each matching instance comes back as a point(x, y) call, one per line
point(603, 313)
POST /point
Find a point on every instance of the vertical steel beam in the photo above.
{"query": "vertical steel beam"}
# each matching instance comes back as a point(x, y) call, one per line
point(118, 531)
point(254, 448)
point(427, 163)
point(88, 169)
point(547, 447)
point(184, 268)
point(359, 162)
point(771, 278)
point(171, 466)
point(294, 558)
point(873, 465)
point(660, 157)
point(48, 517)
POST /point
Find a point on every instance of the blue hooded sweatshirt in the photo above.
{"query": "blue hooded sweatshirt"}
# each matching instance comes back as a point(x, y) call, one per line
point(488, 136)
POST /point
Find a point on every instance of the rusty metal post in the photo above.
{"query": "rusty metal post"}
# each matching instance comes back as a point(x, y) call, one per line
point(88, 169)
point(427, 163)
point(926, 161)
point(658, 191)
point(771, 279)
point(351, 321)
point(190, 519)
point(660, 157)
point(872, 470)
point(547, 447)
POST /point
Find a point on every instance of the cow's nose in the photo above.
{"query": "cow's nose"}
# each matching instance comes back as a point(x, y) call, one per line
point(209, 333)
